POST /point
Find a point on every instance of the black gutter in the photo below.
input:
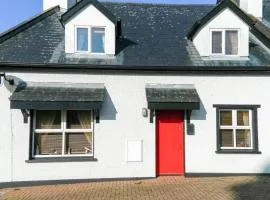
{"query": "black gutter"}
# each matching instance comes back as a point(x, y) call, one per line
point(30, 67)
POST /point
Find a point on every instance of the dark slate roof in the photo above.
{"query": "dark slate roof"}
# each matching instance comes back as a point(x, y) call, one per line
point(33, 41)
point(82, 4)
point(172, 93)
point(60, 92)
point(152, 35)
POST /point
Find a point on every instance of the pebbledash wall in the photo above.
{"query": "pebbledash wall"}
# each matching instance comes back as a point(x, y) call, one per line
point(121, 120)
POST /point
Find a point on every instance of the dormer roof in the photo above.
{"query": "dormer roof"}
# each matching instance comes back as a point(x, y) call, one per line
point(83, 4)
point(261, 31)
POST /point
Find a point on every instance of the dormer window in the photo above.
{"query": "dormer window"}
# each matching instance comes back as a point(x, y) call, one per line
point(224, 42)
point(98, 37)
point(82, 39)
point(90, 39)
point(71, 3)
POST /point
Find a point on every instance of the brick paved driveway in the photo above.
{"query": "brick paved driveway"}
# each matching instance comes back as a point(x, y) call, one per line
point(166, 188)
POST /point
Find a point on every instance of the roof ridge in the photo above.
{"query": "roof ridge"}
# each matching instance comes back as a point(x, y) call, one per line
point(84, 3)
point(27, 23)
point(154, 4)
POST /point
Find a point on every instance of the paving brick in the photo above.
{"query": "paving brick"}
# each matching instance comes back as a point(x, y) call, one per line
point(162, 188)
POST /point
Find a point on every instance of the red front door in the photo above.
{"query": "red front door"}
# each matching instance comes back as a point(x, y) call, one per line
point(170, 142)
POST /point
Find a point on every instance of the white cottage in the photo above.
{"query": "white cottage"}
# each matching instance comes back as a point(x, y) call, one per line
point(99, 90)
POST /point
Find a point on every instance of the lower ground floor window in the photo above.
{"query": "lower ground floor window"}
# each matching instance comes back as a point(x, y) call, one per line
point(62, 133)
point(237, 128)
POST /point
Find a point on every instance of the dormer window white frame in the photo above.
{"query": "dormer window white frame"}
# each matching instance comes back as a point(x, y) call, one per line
point(223, 34)
point(90, 36)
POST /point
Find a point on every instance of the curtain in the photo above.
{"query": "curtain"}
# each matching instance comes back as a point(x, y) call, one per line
point(231, 42)
point(103, 41)
point(246, 118)
point(216, 42)
point(45, 119)
point(98, 40)
point(242, 118)
point(85, 121)
point(82, 39)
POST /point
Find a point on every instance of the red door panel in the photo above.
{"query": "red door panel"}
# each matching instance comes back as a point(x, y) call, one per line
point(170, 142)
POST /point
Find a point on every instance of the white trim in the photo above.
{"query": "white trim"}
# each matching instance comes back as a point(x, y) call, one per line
point(90, 29)
point(98, 27)
point(62, 131)
point(76, 42)
point(223, 40)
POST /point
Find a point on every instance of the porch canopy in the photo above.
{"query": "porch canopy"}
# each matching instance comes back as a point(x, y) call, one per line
point(58, 96)
point(172, 97)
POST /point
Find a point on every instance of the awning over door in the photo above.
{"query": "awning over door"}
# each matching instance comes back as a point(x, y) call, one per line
point(58, 96)
point(172, 97)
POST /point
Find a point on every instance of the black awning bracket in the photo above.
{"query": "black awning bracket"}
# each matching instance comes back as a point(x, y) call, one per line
point(97, 115)
point(152, 115)
point(26, 115)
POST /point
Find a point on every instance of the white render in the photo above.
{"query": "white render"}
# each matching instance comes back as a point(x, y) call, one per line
point(47, 4)
point(223, 21)
point(253, 7)
point(121, 120)
point(90, 17)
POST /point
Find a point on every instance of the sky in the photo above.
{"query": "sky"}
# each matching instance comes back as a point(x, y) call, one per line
point(13, 12)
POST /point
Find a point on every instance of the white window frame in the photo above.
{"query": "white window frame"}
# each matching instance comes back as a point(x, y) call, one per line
point(62, 130)
point(98, 27)
point(223, 33)
point(90, 28)
point(76, 42)
point(235, 127)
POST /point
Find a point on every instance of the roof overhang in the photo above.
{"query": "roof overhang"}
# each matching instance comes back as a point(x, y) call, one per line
point(172, 97)
point(83, 4)
point(58, 96)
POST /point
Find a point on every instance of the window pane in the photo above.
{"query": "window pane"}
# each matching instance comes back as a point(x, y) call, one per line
point(78, 119)
point(226, 118)
point(82, 39)
point(98, 37)
point(231, 42)
point(71, 3)
point(226, 138)
point(48, 119)
point(78, 143)
point(243, 138)
point(243, 118)
point(48, 144)
point(216, 42)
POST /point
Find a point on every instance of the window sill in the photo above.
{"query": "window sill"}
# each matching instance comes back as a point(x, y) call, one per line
point(62, 159)
point(238, 151)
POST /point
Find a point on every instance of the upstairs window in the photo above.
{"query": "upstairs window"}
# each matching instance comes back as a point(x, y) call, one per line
point(225, 42)
point(72, 3)
point(82, 39)
point(90, 39)
point(98, 36)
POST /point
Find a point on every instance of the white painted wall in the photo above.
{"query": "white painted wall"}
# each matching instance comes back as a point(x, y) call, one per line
point(121, 120)
point(253, 7)
point(52, 3)
point(90, 16)
point(225, 20)
point(5, 136)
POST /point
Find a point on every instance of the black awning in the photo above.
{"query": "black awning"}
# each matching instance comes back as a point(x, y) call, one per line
point(172, 97)
point(58, 96)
